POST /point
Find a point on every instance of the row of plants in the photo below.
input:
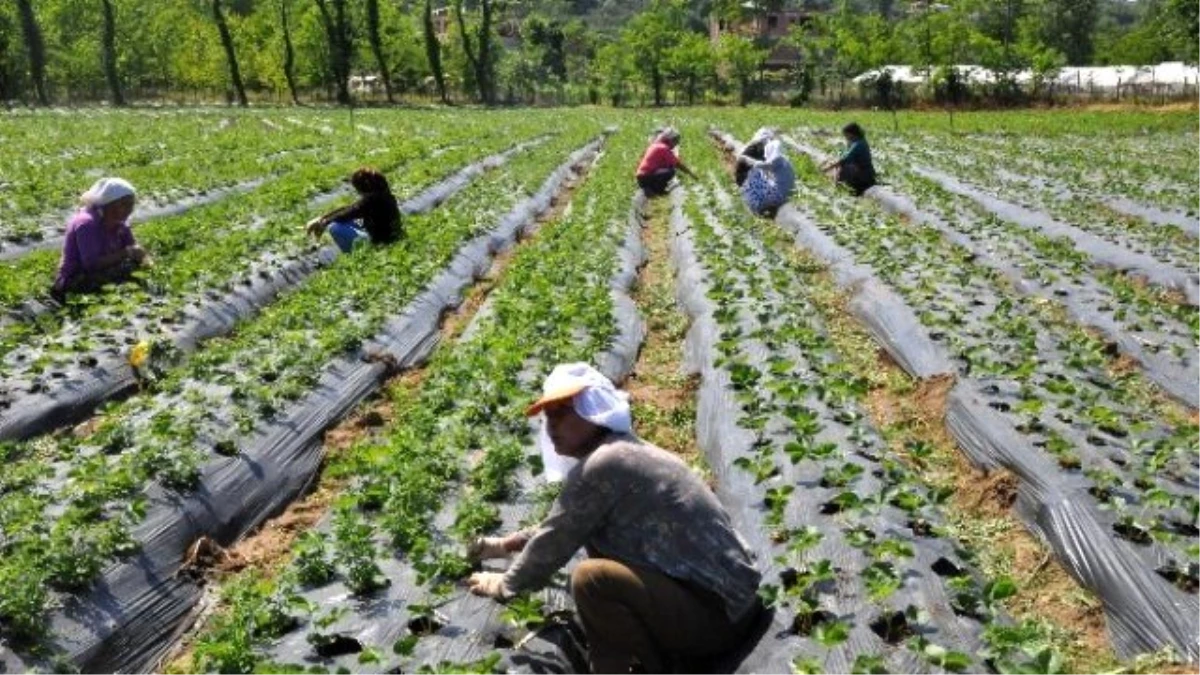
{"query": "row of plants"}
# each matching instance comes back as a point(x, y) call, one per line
point(1153, 166)
point(168, 159)
point(103, 333)
point(855, 536)
point(446, 470)
point(68, 503)
point(1053, 382)
point(991, 171)
point(210, 248)
point(1146, 322)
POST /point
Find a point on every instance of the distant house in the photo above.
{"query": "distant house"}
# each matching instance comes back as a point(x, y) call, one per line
point(365, 84)
point(769, 28)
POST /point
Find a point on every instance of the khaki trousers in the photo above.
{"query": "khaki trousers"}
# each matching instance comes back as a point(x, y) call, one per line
point(631, 613)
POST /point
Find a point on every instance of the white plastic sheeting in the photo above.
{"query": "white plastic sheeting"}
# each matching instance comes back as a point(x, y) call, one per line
point(1168, 76)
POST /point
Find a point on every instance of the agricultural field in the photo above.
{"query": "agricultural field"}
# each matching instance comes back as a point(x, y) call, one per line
point(955, 418)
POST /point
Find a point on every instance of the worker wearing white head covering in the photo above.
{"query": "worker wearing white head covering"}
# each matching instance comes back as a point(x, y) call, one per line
point(763, 135)
point(594, 398)
point(667, 577)
point(99, 247)
point(106, 191)
point(766, 181)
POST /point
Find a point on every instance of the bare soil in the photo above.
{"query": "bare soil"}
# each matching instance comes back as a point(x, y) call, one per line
point(663, 395)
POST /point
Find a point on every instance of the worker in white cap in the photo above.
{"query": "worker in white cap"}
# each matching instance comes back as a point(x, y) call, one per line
point(99, 247)
point(667, 578)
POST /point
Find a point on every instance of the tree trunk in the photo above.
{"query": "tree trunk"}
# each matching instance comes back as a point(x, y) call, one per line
point(289, 53)
point(433, 52)
point(109, 45)
point(235, 73)
point(377, 47)
point(487, 82)
point(468, 50)
point(37, 49)
point(339, 46)
point(345, 54)
point(656, 81)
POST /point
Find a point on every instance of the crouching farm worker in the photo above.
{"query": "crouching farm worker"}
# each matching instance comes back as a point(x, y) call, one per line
point(376, 210)
point(667, 578)
point(99, 247)
point(854, 169)
point(764, 174)
point(658, 165)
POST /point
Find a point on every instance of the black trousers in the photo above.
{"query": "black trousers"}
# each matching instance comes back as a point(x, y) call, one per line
point(858, 178)
point(654, 184)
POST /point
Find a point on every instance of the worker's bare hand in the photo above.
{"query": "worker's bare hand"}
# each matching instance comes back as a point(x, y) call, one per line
point(315, 227)
point(488, 584)
point(136, 253)
point(487, 548)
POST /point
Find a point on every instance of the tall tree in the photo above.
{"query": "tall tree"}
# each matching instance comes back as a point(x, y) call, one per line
point(337, 30)
point(109, 53)
point(651, 35)
point(692, 64)
point(1069, 27)
point(742, 61)
point(377, 47)
point(1187, 25)
point(614, 68)
point(433, 52)
point(37, 49)
point(289, 52)
point(479, 52)
point(235, 73)
point(8, 85)
point(486, 56)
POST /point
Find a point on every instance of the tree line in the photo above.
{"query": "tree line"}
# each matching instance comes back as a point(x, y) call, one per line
point(495, 51)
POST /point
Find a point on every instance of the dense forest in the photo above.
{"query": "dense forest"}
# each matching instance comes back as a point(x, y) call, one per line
point(492, 51)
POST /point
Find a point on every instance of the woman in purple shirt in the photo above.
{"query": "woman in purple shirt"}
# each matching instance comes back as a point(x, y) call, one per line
point(99, 247)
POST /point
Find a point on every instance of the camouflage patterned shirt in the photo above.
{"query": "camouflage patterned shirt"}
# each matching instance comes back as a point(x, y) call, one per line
point(642, 506)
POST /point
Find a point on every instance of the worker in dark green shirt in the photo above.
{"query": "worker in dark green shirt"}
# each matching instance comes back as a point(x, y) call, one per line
point(854, 168)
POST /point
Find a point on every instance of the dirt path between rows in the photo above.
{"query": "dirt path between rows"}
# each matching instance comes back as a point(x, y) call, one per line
point(662, 394)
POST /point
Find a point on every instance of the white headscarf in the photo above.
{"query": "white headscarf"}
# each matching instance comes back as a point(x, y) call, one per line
point(599, 402)
point(763, 134)
point(106, 191)
point(773, 150)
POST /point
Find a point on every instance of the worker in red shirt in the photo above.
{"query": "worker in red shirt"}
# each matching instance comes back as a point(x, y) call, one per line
point(658, 165)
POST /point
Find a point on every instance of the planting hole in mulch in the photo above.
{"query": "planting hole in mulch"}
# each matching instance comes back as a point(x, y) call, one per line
point(832, 508)
point(424, 625)
point(1183, 528)
point(502, 642)
point(329, 646)
point(1133, 532)
point(944, 567)
point(891, 628)
point(921, 527)
point(789, 577)
point(805, 622)
point(1187, 580)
